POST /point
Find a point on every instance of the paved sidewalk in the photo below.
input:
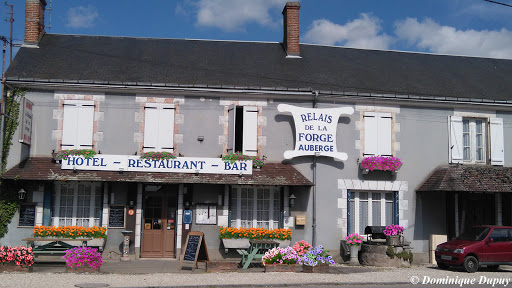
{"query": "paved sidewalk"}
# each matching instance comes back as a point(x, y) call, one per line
point(165, 273)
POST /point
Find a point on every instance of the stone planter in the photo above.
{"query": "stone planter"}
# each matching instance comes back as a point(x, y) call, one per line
point(354, 254)
point(393, 240)
point(319, 268)
point(15, 268)
point(236, 243)
point(375, 255)
point(280, 268)
point(283, 243)
point(82, 269)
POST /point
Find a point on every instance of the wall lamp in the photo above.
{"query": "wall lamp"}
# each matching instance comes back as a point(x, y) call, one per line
point(200, 138)
point(292, 200)
point(21, 194)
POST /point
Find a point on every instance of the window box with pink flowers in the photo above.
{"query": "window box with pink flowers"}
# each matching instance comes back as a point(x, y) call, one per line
point(380, 163)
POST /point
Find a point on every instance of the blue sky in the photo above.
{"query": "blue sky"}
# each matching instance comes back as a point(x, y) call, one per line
point(455, 27)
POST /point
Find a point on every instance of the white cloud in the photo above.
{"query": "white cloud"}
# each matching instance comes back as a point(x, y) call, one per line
point(364, 32)
point(232, 15)
point(431, 36)
point(82, 17)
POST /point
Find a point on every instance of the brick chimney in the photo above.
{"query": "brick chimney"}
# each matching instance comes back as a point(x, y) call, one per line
point(34, 21)
point(291, 29)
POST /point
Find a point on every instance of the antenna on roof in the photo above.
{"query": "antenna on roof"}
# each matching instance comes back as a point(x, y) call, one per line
point(50, 15)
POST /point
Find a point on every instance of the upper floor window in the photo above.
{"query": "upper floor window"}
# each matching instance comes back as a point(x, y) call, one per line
point(377, 134)
point(475, 140)
point(243, 130)
point(78, 124)
point(159, 127)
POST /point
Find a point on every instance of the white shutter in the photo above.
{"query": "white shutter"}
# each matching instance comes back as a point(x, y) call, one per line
point(384, 130)
point(371, 134)
point(455, 143)
point(231, 128)
point(497, 142)
point(151, 128)
point(70, 125)
point(166, 128)
point(85, 124)
point(250, 137)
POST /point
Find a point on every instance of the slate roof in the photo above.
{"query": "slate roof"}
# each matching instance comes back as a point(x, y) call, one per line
point(471, 178)
point(258, 65)
point(43, 169)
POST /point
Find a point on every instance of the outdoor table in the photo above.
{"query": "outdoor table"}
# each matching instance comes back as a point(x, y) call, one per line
point(55, 245)
point(257, 250)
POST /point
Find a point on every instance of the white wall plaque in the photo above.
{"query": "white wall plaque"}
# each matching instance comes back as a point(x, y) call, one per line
point(315, 130)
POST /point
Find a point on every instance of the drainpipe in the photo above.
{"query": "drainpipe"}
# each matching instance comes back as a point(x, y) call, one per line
point(314, 184)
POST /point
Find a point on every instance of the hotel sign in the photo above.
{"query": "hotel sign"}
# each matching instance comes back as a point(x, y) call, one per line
point(121, 163)
point(315, 130)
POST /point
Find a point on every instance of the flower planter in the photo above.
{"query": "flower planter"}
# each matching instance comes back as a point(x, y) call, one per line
point(15, 268)
point(393, 240)
point(82, 269)
point(319, 268)
point(236, 243)
point(354, 254)
point(280, 268)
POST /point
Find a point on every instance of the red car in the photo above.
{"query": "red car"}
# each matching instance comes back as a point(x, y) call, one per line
point(481, 245)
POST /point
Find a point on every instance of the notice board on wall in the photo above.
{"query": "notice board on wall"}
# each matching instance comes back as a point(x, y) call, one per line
point(195, 250)
point(116, 216)
point(27, 215)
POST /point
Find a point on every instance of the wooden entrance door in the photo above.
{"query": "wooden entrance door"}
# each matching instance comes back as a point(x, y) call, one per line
point(159, 222)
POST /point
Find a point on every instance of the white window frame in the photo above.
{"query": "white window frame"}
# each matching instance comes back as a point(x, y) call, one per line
point(493, 140)
point(95, 192)
point(249, 130)
point(159, 127)
point(236, 193)
point(377, 134)
point(357, 213)
point(77, 124)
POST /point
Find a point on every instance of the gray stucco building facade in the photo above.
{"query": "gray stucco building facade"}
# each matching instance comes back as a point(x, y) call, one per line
point(447, 118)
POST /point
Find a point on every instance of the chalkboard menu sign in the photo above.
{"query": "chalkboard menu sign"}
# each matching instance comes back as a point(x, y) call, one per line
point(116, 217)
point(195, 249)
point(27, 215)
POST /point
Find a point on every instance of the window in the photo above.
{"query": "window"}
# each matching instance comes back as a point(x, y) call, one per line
point(77, 204)
point(159, 127)
point(377, 134)
point(371, 209)
point(77, 124)
point(243, 130)
point(472, 139)
point(255, 207)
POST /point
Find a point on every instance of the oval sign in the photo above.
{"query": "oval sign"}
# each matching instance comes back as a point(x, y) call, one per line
point(131, 212)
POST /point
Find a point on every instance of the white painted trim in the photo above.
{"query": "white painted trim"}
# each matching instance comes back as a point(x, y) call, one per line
point(104, 213)
point(181, 191)
point(138, 216)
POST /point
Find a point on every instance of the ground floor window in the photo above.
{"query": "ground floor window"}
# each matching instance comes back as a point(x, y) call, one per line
point(255, 207)
point(76, 204)
point(371, 209)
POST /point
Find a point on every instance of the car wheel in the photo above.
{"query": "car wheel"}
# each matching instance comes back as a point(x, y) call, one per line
point(493, 267)
point(470, 264)
point(443, 266)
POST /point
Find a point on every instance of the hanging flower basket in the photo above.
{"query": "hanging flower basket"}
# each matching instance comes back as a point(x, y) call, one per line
point(380, 163)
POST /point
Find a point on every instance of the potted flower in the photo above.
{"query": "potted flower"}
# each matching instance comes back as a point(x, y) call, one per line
point(16, 258)
point(158, 156)
point(301, 247)
point(83, 259)
point(316, 260)
point(64, 154)
point(239, 237)
point(238, 156)
point(393, 234)
point(354, 242)
point(97, 234)
point(280, 260)
point(383, 163)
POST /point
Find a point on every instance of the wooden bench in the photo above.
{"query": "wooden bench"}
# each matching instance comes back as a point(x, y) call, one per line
point(55, 246)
